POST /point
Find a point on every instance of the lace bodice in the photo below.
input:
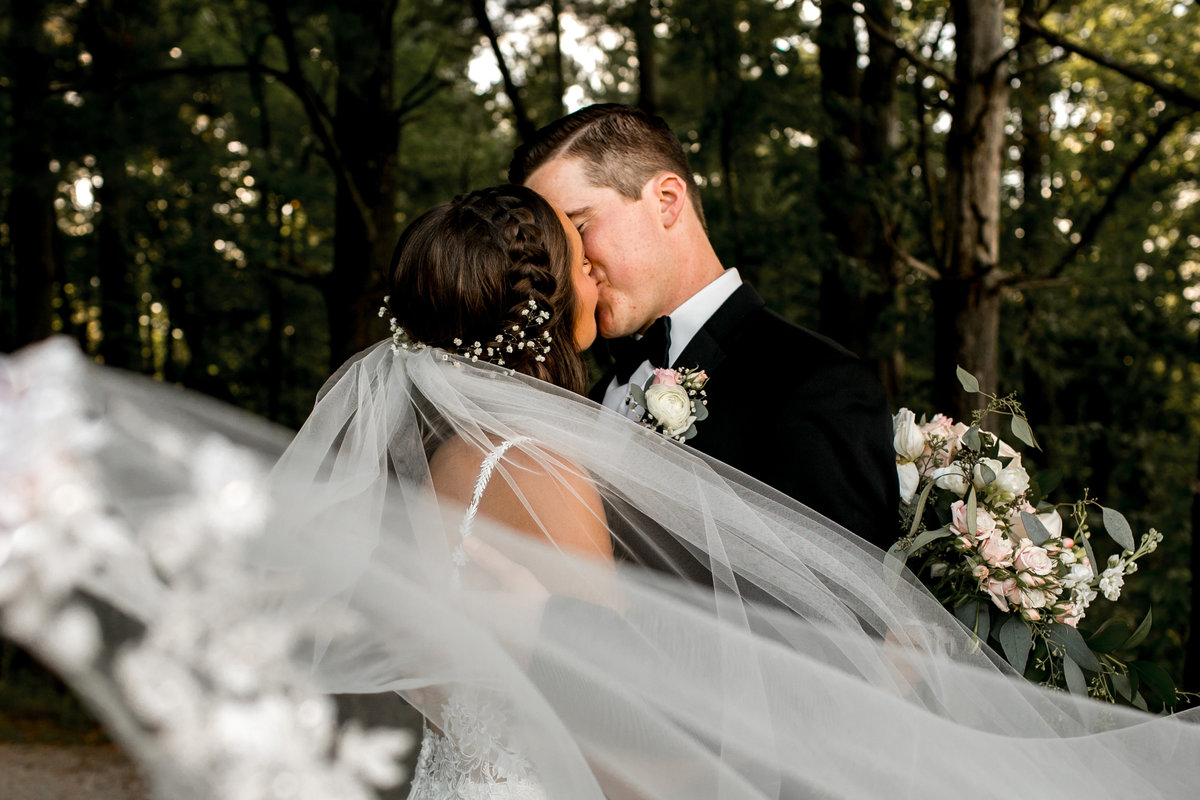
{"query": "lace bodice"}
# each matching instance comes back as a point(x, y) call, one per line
point(473, 756)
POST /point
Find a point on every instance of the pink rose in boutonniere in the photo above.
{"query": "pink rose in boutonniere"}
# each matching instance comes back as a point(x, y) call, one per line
point(673, 401)
point(665, 377)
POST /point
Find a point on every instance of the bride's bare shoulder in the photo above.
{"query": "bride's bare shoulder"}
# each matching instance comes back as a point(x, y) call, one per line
point(530, 490)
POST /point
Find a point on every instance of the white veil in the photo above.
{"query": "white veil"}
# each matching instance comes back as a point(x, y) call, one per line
point(803, 668)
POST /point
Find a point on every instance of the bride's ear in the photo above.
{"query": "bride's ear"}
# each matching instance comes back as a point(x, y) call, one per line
point(669, 193)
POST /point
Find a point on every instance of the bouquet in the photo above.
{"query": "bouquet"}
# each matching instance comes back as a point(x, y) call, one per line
point(979, 533)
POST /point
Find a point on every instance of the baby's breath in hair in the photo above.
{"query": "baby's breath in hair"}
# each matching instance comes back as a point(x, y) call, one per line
point(512, 341)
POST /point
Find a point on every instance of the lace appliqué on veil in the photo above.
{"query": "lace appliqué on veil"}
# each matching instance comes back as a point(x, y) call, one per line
point(470, 760)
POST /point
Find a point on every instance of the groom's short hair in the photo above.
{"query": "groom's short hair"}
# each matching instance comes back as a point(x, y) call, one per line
point(622, 147)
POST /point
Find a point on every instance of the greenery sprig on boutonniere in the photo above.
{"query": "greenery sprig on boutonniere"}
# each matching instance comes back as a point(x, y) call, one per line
point(673, 401)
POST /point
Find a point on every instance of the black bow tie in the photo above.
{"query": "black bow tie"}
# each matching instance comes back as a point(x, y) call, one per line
point(654, 346)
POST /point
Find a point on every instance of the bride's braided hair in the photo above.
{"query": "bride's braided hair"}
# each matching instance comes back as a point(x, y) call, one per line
point(466, 271)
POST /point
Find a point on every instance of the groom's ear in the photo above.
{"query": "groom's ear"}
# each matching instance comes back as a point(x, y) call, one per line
point(669, 192)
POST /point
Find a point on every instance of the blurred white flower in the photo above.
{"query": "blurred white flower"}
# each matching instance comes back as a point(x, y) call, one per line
point(73, 638)
point(375, 755)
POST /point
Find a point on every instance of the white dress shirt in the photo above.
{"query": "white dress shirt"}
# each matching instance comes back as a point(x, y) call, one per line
point(686, 322)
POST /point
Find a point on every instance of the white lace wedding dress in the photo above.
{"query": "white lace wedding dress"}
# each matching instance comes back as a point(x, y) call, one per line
point(470, 758)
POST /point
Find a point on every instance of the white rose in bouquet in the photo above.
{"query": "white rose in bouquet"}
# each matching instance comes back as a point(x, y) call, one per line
point(951, 479)
point(909, 479)
point(986, 471)
point(907, 438)
point(671, 406)
point(1012, 481)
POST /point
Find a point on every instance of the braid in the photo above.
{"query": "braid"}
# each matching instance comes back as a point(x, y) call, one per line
point(491, 253)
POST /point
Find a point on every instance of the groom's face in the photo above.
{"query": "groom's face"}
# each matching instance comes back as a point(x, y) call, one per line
point(619, 238)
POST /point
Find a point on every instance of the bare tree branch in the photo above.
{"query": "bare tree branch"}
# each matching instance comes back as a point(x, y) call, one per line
point(1166, 90)
point(883, 34)
point(423, 89)
point(932, 223)
point(318, 113)
point(1024, 285)
point(1088, 235)
point(918, 264)
point(525, 127)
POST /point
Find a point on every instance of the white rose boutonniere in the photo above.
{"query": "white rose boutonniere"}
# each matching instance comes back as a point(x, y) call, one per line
point(673, 401)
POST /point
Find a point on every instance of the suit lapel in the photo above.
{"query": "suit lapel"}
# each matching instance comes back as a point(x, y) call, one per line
point(706, 350)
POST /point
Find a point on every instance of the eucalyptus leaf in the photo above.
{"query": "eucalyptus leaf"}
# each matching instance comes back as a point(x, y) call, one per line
point(701, 411)
point(895, 557)
point(1142, 631)
point(1072, 641)
point(969, 382)
point(1108, 637)
point(1157, 679)
point(1034, 528)
point(1021, 430)
point(986, 473)
point(638, 394)
point(972, 511)
point(1117, 527)
point(968, 614)
point(983, 621)
point(1087, 546)
point(1122, 685)
point(1140, 702)
point(916, 521)
point(972, 440)
point(1016, 640)
point(928, 536)
point(1074, 675)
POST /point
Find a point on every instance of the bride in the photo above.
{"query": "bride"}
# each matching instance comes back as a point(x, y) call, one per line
point(454, 505)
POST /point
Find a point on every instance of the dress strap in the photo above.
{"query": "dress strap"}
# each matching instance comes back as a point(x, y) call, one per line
point(481, 481)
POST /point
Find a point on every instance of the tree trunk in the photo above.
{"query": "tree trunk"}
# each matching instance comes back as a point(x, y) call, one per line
point(724, 114)
point(560, 78)
point(367, 131)
point(1191, 657)
point(31, 216)
point(966, 299)
point(855, 166)
point(105, 36)
point(644, 41)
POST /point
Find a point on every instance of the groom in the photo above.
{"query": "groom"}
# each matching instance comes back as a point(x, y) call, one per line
point(786, 405)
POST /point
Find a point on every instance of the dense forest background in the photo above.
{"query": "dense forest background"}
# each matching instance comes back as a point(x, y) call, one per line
point(209, 192)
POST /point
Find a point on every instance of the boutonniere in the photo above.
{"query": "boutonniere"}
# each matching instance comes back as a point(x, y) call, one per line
point(672, 401)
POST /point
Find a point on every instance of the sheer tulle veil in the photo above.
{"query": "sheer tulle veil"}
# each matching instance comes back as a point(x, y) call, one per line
point(805, 669)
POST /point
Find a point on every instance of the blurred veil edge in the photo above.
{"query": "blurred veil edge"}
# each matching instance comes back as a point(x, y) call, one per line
point(258, 572)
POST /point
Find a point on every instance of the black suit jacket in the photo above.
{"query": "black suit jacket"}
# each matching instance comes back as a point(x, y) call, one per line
point(796, 411)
